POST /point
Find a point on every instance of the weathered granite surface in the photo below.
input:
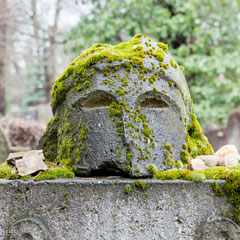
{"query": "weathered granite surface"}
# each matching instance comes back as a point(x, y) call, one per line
point(99, 209)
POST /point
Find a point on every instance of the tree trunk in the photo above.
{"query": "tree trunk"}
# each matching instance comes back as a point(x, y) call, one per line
point(3, 42)
point(50, 68)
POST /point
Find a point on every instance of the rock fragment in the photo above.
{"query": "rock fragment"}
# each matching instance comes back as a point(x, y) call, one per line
point(230, 160)
point(31, 163)
point(197, 164)
point(225, 150)
point(210, 160)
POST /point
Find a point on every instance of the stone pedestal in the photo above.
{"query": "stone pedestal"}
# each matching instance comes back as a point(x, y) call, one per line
point(82, 209)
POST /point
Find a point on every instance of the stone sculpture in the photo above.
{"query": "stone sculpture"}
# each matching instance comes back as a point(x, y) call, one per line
point(122, 109)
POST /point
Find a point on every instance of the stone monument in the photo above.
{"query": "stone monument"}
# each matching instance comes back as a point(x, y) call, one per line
point(124, 110)
point(118, 109)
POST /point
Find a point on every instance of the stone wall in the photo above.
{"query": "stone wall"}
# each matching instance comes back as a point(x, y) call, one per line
point(99, 209)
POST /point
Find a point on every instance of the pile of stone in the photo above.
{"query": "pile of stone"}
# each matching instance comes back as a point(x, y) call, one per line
point(226, 156)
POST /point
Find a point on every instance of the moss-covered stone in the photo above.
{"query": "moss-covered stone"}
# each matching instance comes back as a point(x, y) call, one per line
point(197, 143)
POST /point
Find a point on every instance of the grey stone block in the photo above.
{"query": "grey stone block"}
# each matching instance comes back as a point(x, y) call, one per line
point(99, 209)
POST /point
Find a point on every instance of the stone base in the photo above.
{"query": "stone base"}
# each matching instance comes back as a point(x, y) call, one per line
point(82, 209)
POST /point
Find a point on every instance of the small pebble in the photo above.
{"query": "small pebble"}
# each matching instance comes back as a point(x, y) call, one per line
point(210, 160)
point(230, 160)
point(225, 150)
point(197, 164)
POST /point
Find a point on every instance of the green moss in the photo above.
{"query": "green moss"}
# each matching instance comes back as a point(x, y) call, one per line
point(178, 164)
point(153, 65)
point(140, 149)
point(131, 125)
point(138, 170)
point(231, 188)
point(167, 147)
point(78, 68)
point(152, 169)
point(173, 63)
point(197, 143)
point(198, 177)
point(216, 189)
point(153, 145)
point(25, 177)
point(78, 88)
point(166, 66)
point(159, 55)
point(140, 76)
point(146, 131)
point(155, 89)
point(163, 46)
point(139, 184)
point(120, 92)
point(163, 71)
point(87, 84)
point(119, 154)
point(170, 83)
point(168, 159)
point(127, 189)
point(109, 83)
point(54, 174)
point(152, 79)
point(115, 110)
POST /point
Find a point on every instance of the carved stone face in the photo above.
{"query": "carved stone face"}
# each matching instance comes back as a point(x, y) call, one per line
point(129, 117)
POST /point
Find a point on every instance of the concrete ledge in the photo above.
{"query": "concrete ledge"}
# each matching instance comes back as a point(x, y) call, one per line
point(99, 209)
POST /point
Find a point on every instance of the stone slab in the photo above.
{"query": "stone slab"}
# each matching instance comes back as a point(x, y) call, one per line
point(99, 209)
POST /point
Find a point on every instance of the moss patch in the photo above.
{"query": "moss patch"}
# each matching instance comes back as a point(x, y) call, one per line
point(197, 143)
point(127, 189)
point(6, 173)
point(231, 189)
point(54, 174)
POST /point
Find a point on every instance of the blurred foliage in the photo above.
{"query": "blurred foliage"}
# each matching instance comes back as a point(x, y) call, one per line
point(204, 37)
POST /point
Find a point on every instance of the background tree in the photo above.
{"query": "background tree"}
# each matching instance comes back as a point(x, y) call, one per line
point(203, 35)
point(3, 58)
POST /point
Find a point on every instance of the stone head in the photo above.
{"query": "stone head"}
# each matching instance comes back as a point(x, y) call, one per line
point(119, 109)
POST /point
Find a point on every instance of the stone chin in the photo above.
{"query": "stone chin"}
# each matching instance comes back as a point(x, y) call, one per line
point(119, 116)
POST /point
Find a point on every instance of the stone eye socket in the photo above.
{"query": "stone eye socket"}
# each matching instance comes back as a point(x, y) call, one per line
point(98, 102)
point(153, 103)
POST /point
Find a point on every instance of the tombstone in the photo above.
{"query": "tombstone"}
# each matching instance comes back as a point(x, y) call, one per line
point(118, 109)
point(227, 134)
point(6, 148)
